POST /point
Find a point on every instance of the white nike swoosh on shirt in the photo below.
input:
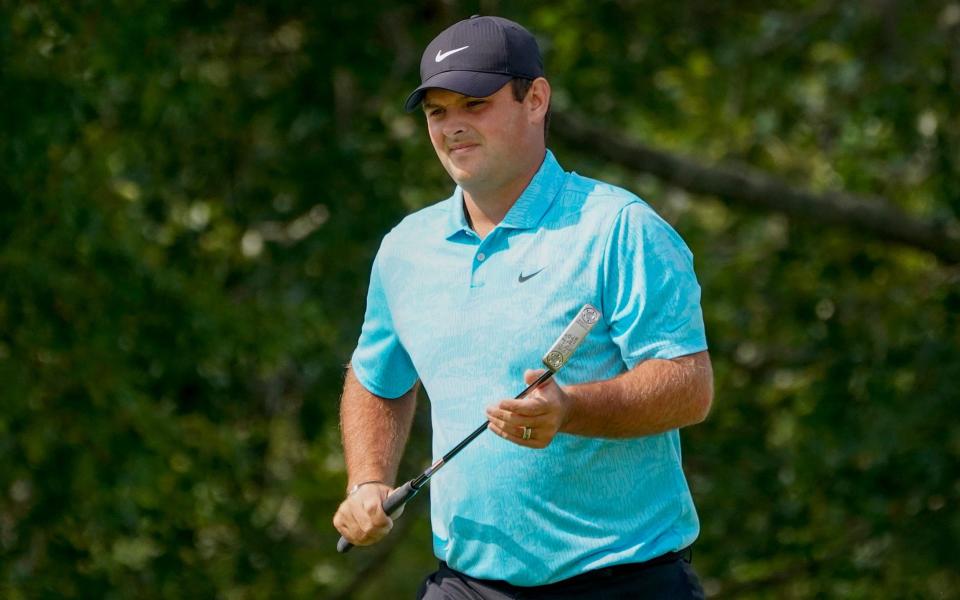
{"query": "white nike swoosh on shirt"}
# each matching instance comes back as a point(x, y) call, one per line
point(443, 55)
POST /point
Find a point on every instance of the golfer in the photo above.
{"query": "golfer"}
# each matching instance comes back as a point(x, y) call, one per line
point(577, 491)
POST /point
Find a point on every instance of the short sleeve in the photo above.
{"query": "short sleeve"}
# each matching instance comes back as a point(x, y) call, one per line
point(651, 296)
point(380, 361)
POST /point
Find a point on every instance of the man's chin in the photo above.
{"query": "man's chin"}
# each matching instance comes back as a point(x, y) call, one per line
point(460, 176)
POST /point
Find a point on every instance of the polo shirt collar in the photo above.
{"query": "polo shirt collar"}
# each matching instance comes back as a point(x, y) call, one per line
point(457, 221)
point(529, 208)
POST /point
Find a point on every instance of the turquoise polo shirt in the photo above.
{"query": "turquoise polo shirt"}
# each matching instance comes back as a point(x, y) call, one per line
point(468, 316)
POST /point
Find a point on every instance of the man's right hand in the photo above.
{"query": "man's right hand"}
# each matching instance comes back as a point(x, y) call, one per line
point(360, 518)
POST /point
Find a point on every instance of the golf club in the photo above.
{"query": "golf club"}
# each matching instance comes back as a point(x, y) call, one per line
point(553, 360)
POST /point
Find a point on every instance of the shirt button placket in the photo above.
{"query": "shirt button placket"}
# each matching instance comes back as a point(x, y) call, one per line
point(478, 275)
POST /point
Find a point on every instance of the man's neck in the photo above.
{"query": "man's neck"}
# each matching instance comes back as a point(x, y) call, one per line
point(485, 209)
point(486, 212)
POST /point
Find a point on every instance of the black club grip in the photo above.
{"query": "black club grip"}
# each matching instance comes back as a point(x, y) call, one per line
point(398, 498)
point(392, 504)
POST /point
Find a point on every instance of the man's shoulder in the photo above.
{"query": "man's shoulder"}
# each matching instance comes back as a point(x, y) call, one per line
point(596, 195)
point(607, 208)
point(429, 221)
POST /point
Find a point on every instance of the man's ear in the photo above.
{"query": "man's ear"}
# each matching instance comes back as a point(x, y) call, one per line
point(538, 99)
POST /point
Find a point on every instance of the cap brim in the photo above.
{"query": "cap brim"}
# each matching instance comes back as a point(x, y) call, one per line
point(469, 83)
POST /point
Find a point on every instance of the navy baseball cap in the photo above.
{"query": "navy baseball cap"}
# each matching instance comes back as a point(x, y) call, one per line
point(476, 57)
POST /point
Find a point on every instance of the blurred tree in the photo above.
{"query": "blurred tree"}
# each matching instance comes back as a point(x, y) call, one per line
point(195, 193)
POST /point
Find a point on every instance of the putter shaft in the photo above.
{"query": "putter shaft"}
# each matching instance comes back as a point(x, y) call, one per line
point(554, 359)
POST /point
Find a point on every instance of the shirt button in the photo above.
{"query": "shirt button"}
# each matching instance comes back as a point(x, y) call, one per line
point(481, 256)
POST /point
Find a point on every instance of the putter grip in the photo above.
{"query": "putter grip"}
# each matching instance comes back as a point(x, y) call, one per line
point(394, 501)
point(399, 497)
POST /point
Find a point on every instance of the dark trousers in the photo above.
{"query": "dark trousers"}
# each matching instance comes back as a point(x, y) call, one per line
point(668, 577)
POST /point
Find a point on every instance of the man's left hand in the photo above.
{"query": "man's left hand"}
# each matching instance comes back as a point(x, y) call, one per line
point(544, 411)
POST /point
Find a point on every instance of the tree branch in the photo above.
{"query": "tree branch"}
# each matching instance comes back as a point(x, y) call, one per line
point(869, 215)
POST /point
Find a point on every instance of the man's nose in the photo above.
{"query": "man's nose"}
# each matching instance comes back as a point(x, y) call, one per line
point(454, 127)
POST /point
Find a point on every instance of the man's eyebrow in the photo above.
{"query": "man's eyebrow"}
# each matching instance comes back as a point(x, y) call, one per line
point(428, 105)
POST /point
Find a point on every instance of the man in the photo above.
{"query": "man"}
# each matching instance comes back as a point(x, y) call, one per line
point(580, 494)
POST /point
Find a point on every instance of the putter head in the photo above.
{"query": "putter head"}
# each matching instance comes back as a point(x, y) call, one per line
point(567, 343)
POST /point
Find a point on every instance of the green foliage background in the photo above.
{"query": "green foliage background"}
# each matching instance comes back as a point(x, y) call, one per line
point(192, 194)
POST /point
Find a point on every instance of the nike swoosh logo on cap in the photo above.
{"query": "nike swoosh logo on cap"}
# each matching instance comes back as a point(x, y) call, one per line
point(443, 55)
point(523, 277)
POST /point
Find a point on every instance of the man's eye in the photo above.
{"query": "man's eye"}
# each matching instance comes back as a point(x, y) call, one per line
point(436, 112)
point(474, 103)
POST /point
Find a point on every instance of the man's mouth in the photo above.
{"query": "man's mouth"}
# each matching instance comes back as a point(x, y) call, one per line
point(461, 148)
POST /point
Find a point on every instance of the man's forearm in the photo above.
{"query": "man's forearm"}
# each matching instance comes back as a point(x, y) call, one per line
point(374, 431)
point(655, 396)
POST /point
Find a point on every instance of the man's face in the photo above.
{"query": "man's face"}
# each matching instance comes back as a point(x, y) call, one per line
point(481, 142)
